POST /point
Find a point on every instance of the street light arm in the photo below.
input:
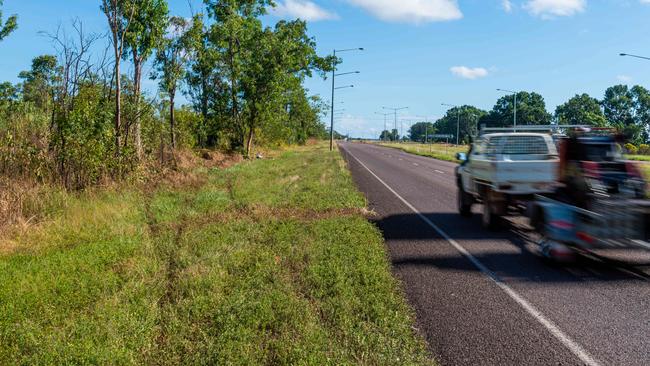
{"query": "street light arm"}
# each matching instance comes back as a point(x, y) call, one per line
point(636, 56)
point(348, 73)
point(344, 87)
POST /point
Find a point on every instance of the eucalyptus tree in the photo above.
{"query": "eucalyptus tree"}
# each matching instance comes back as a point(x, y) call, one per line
point(170, 65)
point(204, 80)
point(147, 21)
point(279, 58)
point(119, 16)
point(235, 24)
point(9, 25)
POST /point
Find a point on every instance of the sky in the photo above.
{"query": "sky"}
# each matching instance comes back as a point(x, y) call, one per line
point(419, 53)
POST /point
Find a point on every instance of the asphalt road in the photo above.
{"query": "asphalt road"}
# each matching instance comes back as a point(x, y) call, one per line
point(487, 298)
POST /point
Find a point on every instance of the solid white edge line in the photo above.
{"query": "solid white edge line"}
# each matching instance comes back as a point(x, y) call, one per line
point(569, 343)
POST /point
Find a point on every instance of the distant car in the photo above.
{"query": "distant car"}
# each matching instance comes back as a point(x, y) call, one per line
point(503, 169)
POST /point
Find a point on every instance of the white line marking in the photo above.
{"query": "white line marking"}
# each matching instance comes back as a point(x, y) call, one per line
point(416, 164)
point(439, 171)
point(569, 343)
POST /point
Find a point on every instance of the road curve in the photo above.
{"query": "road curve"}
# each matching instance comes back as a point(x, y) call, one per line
point(487, 298)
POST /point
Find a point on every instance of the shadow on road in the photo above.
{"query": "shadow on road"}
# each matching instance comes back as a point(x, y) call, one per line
point(509, 252)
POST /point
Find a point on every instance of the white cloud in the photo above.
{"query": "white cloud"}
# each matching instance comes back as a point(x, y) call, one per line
point(507, 5)
point(624, 78)
point(303, 9)
point(411, 11)
point(469, 72)
point(555, 8)
point(645, 1)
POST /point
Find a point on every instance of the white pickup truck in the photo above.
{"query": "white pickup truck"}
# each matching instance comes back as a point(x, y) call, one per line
point(504, 169)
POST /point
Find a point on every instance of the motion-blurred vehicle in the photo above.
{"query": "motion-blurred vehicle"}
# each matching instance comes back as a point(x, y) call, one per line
point(600, 202)
point(505, 169)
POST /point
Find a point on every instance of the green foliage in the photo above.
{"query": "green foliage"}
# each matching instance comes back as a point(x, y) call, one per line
point(470, 120)
point(631, 149)
point(9, 25)
point(531, 110)
point(581, 110)
point(644, 149)
point(392, 135)
point(420, 130)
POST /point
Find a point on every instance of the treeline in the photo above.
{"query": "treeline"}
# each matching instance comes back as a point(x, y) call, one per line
point(623, 108)
point(80, 114)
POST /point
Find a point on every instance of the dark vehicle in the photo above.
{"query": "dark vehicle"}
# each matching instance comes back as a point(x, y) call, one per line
point(600, 202)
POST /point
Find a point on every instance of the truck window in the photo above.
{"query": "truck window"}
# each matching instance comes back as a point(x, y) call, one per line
point(524, 145)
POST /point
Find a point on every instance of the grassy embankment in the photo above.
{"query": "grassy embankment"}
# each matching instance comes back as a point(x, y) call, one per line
point(267, 262)
point(436, 151)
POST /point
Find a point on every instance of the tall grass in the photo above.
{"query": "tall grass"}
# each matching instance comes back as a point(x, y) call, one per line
point(267, 262)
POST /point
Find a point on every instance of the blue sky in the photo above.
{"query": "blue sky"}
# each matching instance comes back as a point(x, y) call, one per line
point(421, 53)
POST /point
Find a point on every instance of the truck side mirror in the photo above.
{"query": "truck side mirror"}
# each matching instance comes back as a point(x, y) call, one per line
point(461, 156)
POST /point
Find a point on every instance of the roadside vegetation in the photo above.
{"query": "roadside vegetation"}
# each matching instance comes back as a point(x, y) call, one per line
point(446, 152)
point(264, 262)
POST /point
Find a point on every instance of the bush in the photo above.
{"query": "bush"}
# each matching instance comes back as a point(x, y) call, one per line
point(644, 149)
point(631, 149)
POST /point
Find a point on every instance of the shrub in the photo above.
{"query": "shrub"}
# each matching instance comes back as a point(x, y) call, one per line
point(631, 149)
point(644, 149)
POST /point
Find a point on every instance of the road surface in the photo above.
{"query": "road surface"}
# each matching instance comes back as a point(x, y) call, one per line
point(487, 298)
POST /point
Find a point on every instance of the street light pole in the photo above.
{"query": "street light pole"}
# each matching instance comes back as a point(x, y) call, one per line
point(334, 75)
point(385, 120)
point(457, 122)
point(515, 108)
point(395, 112)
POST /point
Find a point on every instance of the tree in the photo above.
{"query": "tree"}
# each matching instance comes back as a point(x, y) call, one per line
point(235, 23)
point(618, 105)
point(9, 26)
point(205, 82)
point(641, 98)
point(119, 16)
point(279, 58)
point(170, 62)
point(581, 110)
point(421, 129)
point(38, 83)
point(531, 110)
point(470, 120)
point(143, 35)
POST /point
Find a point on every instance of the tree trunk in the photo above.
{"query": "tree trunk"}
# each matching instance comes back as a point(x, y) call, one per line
point(172, 121)
point(118, 97)
point(137, 79)
point(249, 142)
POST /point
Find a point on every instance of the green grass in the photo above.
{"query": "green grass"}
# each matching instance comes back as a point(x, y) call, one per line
point(437, 151)
point(638, 157)
point(268, 262)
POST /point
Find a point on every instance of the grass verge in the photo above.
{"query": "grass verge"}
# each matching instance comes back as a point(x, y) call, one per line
point(266, 262)
point(437, 151)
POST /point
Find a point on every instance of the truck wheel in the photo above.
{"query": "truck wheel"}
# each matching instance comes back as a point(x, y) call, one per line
point(490, 219)
point(464, 203)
